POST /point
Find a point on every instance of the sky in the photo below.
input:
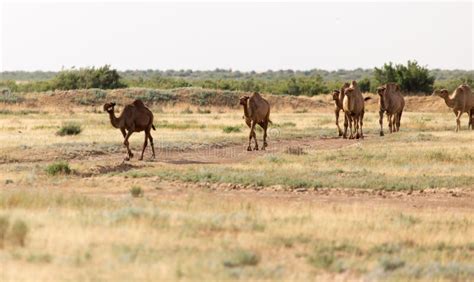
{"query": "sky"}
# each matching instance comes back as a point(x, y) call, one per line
point(240, 36)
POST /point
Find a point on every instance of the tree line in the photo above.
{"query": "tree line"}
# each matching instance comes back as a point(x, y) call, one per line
point(412, 78)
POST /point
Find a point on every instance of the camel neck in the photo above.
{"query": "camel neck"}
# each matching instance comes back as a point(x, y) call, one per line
point(246, 111)
point(448, 101)
point(113, 119)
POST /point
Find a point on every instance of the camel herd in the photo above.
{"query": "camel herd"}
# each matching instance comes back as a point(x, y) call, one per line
point(136, 117)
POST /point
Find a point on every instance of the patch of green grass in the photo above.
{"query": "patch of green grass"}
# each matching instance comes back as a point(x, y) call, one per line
point(136, 191)
point(69, 129)
point(241, 257)
point(231, 129)
point(60, 167)
point(391, 263)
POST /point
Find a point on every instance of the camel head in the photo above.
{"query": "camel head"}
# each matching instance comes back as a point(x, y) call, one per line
point(109, 107)
point(381, 90)
point(335, 95)
point(440, 93)
point(349, 91)
point(243, 100)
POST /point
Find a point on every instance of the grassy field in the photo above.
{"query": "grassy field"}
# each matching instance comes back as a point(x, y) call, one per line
point(312, 206)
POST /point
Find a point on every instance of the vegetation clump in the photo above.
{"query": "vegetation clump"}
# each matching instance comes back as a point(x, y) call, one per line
point(241, 257)
point(136, 191)
point(231, 129)
point(60, 167)
point(69, 129)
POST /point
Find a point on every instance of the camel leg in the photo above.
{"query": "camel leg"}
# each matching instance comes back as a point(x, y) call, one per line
point(356, 127)
point(399, 120)
point(337, 121)
point(255, 139)
point(127, 145)
point(381, 122)
point(151, 143)
point(389, 120)
point(458, 121)
point(361, 124)
point(344, 135)
point(145, 143)
point(264, 125)
point(350, 126)
point(252, 135)
point(124, 133)
point(471, 120)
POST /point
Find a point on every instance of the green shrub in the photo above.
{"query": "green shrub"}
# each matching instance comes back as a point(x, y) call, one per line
point(85, 78)
point(69, 129)
point(411, 78)
point(18, 233)
point(230, 129)
point(60, 167)
point(136, 191)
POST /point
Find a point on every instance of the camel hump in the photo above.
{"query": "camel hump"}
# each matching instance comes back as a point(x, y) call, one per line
point(138, 103)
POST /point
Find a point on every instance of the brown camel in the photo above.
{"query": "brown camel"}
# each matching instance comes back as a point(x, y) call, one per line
point(338, 97)
point(392, 103)
point(256, 111)
point(461, 101)
point(135, 117)
point(353, 106)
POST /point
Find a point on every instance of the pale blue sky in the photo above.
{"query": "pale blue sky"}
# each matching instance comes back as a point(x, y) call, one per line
point(240, 36)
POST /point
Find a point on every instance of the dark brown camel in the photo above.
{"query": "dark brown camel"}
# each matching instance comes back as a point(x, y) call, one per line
point(256, 111)
point(135, 117)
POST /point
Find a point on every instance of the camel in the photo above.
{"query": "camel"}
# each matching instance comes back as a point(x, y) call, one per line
point(353, 106)
point(471, 120)
point(461, 101)
point(338, 97)
point(392, 103)
point(256, 111)
point(135, 117)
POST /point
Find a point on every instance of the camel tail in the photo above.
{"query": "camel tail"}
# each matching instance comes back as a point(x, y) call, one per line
point(152, 126)
point(367, 98)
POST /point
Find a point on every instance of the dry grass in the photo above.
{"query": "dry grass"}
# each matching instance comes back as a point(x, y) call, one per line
point(87, 225)
point(201, 235)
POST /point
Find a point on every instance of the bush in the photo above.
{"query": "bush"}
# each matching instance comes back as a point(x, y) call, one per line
point(230, 129)
point(69, 129)
point(18, 233)
point(102, 77)
point(411, 78)
point(58, 168)
point(136, 191)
